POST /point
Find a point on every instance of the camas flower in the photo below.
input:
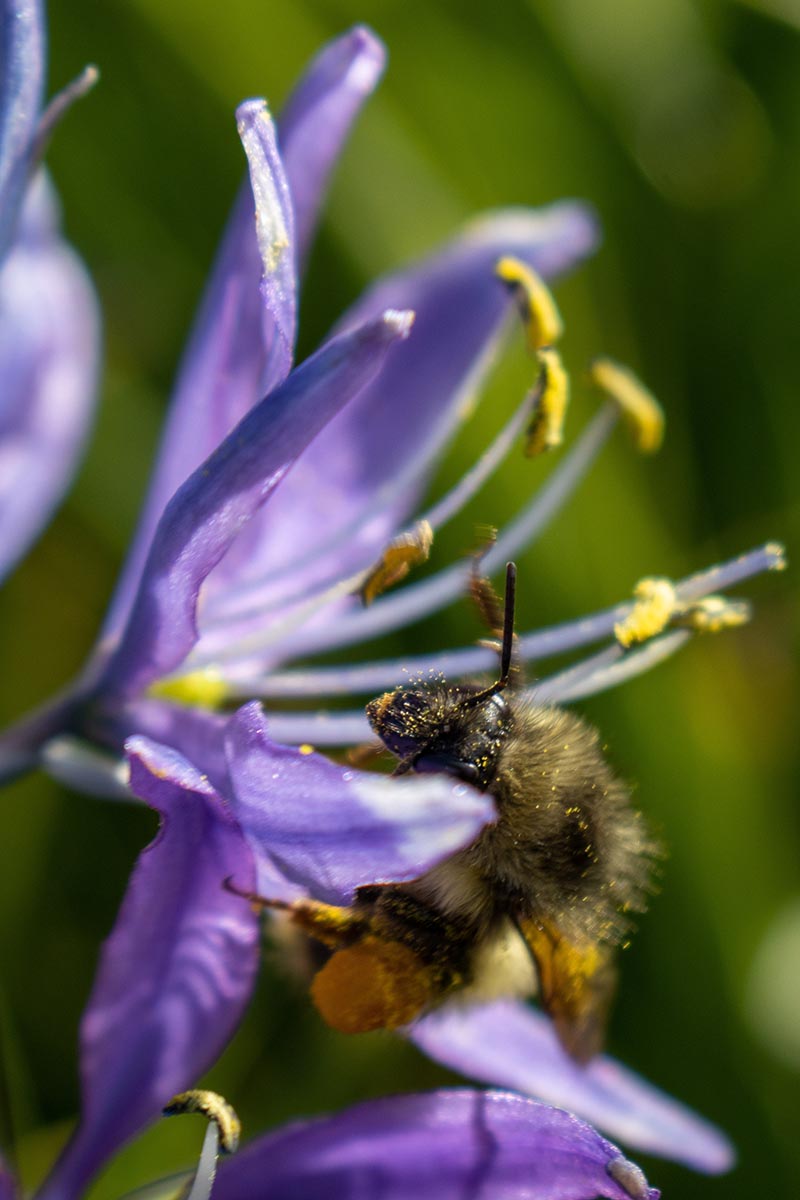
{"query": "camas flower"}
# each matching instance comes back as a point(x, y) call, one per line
point(275, 492)
point(174, 976)
point(49, 327)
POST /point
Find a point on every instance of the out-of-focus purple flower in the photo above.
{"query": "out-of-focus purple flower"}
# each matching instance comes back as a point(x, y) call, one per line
point(8, 1187)
point(275, 491)
point(49, 324)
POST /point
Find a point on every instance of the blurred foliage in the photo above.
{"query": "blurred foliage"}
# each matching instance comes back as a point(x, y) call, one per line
point(680, 121)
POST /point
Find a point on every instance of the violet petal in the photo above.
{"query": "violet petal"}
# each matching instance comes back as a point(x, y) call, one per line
point(318, 116)
point(22, 52)
point(8, 1184)
point(445, 1145)
point(508, 1044)
point(195, 733)
point(242, 342)
point(400, 424)
point(49, 351)
point(175, 974)
point(208, 512)
point(325, 830)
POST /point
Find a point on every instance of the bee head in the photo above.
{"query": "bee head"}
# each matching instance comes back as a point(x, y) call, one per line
point(447, 728)
point(409, 721)
point(458, 730)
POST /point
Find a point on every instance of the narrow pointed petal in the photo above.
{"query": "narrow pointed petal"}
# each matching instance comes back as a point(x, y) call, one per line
point(49, 352)
point(208, 512)
point(509, 1045)
point(328, 830)
point(242, 343)
point(274, 227)
point(407, 416)
point(175, 974)
point(318, 117)
point(445, 1145)
point(22, 52)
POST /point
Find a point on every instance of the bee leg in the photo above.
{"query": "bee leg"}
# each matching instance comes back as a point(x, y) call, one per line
point(327, 923)
point(363, 754)
point(576, 986)
point(330, 924)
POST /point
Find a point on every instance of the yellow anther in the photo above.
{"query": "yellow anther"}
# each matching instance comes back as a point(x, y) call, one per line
point(712, 614)
point(777, 554)
point(655, 606)
point(537, 307)
point(404, 552)
point(546, 429)
point(305, 748)
point(197, 689)
point(639, 407)
point(214, 1108)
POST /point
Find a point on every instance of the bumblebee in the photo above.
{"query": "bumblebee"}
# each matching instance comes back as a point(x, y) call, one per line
point(537, 904)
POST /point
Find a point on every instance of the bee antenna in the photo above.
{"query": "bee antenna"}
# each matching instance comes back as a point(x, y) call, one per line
point(508, 623)
point(507, 649)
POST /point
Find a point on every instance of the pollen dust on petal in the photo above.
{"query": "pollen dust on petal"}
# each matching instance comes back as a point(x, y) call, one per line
point(372, 985)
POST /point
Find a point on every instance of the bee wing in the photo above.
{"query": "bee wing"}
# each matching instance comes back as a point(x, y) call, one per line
point(577, 981)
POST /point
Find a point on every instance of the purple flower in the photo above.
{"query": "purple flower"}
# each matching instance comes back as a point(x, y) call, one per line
point(49, 326)
point(275, 491)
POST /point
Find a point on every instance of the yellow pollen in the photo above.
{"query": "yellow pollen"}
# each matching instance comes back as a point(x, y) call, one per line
point(713, 614)
point(305, 748)
point(538, 309)
point(639, 407)
point(374, 984)
point(197, 689)
point(546, 429)
point(655, 605)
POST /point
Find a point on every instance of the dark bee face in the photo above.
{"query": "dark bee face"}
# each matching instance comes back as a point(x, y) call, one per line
point(438, 729)
point(407, 721)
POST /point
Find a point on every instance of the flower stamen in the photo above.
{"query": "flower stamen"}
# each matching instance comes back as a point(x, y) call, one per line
point(546, 430)
point(214, 1108)
point(639, 408)
point(222, 1135)
point(407, 550)
point(538, 309)
point(656, 603)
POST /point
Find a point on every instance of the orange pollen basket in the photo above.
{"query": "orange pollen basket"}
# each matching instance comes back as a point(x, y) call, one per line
point(372, 985)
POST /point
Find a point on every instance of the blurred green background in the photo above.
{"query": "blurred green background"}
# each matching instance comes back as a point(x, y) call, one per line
point(681, 122)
